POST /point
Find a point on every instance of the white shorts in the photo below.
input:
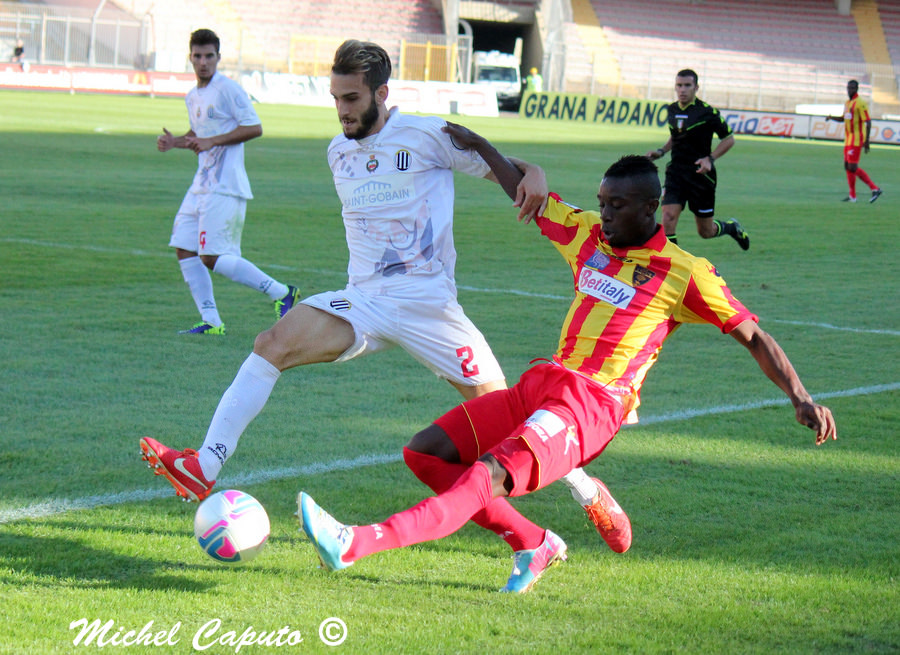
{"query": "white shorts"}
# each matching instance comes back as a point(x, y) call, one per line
point(424, 319)
point(209, 224)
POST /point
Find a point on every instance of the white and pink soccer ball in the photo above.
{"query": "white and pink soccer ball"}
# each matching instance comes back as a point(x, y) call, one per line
point(231, 526)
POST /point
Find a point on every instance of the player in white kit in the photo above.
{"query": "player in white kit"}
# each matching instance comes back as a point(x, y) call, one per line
point(206, 234)
point(394, 176)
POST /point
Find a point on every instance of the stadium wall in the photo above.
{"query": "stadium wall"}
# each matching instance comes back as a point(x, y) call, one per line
point(275, 36)
point(436, 98)
point(273, 88)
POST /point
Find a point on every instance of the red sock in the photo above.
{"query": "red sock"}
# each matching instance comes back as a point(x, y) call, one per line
point(851, 182)
point(862, 175)
point(432, 518)
point(437, 473)
point(499, 516)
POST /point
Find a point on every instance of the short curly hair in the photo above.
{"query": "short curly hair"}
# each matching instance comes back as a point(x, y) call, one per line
point(640, 168)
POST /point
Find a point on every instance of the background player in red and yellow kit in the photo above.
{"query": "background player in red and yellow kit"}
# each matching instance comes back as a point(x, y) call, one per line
point(857, 125)
point(633, 288)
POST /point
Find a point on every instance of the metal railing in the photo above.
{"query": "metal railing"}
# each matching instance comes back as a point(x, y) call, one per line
point(419, 57)
point(62, 36)
point(764, 85)
point(71, 37)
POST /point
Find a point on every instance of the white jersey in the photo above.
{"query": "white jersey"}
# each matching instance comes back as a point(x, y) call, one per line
point(218, 108)
point(396, 187)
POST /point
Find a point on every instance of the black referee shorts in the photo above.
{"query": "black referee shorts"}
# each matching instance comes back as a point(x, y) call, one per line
point(686, 188)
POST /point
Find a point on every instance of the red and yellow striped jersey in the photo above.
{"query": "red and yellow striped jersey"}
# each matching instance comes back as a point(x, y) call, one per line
point(629, 300)
point(856, 115)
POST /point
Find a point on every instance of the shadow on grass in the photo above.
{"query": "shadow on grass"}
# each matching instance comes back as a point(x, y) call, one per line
point(810, 514)
point(56, 561)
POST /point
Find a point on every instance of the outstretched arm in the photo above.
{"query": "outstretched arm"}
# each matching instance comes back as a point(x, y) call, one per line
point(504, 171)
point(531, 193)
point(524, 183)
point(775, 364)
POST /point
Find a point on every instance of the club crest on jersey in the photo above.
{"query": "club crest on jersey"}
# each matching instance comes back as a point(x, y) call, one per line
point(402, 160)
point(679, 121)
point(605, 288)
point(598, 261)
point(340, 304)
point(641, 276)
point(372, 164)
point(210, 111)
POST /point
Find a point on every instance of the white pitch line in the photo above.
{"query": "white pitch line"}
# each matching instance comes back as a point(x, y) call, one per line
point(547, 296)
point(55, 506)
point(463, 287)
point(60, 505)
point(829, 326)
point(514, 292)
point(159, 254)
point(773, 402)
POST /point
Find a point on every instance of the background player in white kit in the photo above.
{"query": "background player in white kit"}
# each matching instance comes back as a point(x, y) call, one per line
point(394, 176)
point(207, 230)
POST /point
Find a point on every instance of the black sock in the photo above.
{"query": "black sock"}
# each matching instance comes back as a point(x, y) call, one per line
point(727, 227)
point(672, 237)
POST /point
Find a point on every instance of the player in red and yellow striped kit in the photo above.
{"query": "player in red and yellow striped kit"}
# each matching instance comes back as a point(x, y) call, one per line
point(627, 301)
point(632, 289)
point(857, 126)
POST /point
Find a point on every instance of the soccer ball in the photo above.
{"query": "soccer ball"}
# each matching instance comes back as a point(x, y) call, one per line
point(231, 526)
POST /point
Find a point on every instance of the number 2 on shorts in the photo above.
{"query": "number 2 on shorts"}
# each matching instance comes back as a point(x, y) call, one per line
point(466, 355)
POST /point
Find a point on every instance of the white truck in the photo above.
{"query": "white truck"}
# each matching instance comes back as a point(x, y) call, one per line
point(500, 70)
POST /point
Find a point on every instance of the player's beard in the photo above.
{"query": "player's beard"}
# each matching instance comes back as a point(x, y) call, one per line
point(366, 123)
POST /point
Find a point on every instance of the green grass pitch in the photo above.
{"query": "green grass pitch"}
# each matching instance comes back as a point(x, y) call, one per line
point(747, 538)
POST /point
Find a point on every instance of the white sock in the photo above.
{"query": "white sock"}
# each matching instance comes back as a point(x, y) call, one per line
point(200, 283)
point(246, 272)
point(584, 490)
point(239, 405)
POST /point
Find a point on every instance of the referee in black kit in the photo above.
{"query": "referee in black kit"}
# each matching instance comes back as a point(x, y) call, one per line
point(691, 175)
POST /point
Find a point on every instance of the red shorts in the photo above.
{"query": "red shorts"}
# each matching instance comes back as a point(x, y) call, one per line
point(852, 154)
point(552, 421)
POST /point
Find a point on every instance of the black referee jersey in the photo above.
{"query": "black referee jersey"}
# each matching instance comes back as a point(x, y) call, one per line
point(692, 129)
